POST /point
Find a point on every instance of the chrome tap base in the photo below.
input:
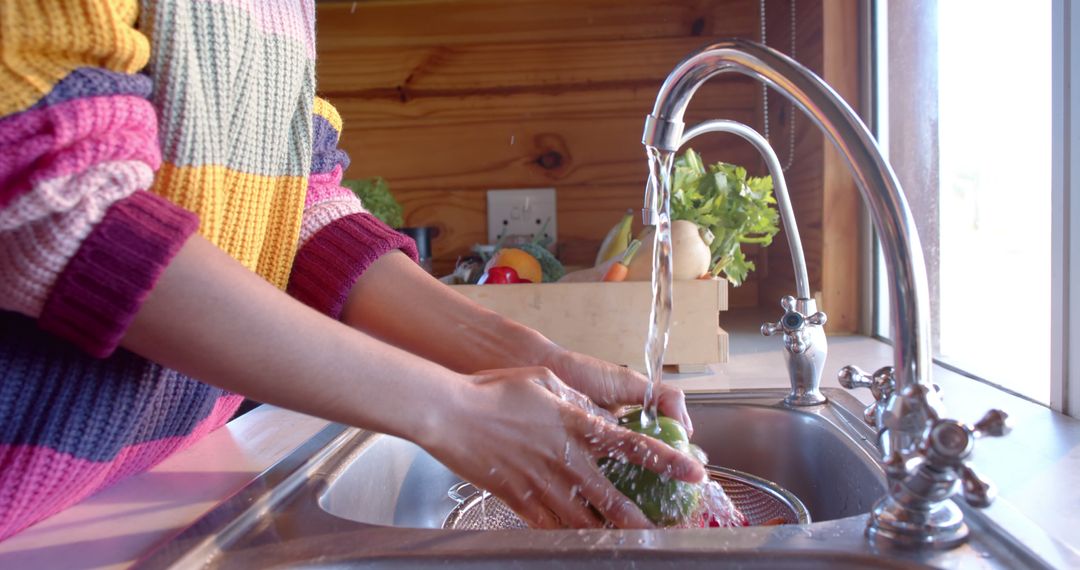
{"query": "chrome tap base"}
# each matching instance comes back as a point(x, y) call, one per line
point(893, 525)
point(805, 349)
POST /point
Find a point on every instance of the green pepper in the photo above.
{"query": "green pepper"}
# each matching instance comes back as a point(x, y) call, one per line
point(665, 501)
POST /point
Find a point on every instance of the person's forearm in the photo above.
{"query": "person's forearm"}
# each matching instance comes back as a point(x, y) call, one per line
point(211, 318)
point(396, 301)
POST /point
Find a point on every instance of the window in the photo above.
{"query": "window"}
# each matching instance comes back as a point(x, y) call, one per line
point(969, 123)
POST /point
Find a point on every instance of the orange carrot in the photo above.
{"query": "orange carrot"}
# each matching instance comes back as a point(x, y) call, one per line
point(617, 272)
point(619, 269)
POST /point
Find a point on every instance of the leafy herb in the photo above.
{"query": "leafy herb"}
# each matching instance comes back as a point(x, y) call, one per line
point(735, 208)
point(377, 199)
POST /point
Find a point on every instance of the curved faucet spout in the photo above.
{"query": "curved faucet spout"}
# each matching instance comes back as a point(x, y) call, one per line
point(925, 455)
point(876, 181)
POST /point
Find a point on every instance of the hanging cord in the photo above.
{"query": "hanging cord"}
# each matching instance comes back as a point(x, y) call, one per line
point(765, 89)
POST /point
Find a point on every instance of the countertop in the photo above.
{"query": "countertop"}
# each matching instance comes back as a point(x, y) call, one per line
point(119, 525)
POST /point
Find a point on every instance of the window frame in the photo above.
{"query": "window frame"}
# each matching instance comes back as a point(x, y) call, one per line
point(1065, 212)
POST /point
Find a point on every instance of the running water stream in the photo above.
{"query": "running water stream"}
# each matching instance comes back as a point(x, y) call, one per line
point(715, 507)
point(660, 163)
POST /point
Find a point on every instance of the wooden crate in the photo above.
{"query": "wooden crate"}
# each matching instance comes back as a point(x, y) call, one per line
point(611, 320)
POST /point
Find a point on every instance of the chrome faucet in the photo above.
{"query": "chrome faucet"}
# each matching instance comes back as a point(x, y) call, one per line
point(805, 345)
point(924, 455)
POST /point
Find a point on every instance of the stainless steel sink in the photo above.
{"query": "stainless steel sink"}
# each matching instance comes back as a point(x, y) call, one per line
point(355, 499)
point(392, 482)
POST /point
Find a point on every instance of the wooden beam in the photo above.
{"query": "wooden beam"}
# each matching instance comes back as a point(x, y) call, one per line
point(840, 256)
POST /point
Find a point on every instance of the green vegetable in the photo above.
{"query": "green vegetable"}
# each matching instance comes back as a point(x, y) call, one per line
point(666, 502)
point(377, 199)
point(735, 208)
point(553, 270)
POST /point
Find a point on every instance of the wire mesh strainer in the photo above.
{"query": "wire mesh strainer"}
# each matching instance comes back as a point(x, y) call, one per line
point(758, 499)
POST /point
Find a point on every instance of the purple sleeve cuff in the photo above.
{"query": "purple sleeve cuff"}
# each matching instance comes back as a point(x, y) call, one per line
point(97, 295)
point(328, 265)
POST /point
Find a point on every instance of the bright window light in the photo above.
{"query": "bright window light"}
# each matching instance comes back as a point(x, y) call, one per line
point(995, 145)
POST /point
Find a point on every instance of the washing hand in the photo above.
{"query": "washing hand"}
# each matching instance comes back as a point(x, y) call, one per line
point(534, 442)
point(613, 386)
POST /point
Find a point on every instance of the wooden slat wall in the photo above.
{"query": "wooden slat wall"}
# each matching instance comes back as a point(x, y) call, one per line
point(841, 246)
point(805, 177)
point(449, 98)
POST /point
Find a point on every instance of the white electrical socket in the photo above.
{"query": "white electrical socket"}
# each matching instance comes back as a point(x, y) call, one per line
point(521, 212)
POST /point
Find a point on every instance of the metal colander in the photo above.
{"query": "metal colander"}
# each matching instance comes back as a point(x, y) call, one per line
point(761, 501)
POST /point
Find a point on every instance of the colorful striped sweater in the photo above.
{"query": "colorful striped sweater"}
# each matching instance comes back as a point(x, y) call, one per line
point(124, 129)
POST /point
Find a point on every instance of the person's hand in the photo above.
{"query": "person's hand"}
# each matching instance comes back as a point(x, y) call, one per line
point(532, 441)
point(613, 386)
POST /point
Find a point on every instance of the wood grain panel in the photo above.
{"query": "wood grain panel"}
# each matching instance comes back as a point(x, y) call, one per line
point(449, 98)
point(804, 176)
point(407, 72)
point(395, 23)
point(564, 150)
point(716, 99)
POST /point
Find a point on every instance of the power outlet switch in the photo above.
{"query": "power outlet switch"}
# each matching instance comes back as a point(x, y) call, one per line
point(521, 212)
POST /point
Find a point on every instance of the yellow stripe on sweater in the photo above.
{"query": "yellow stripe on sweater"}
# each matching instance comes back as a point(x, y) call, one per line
point(324, 109)
point(41, 42)
point(253, 218)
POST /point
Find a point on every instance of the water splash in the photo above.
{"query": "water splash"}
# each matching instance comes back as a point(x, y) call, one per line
point(717, 508)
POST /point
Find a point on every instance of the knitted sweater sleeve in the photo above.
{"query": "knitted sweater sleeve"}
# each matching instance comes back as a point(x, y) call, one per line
point(339, 240)
point(81, 241)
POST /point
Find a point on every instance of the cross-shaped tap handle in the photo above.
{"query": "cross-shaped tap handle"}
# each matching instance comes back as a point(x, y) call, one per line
point(882, 383)
point(949, 445)
point(793, 321)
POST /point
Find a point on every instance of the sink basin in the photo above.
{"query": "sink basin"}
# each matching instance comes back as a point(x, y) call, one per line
point(392, 482)
point(349, 498)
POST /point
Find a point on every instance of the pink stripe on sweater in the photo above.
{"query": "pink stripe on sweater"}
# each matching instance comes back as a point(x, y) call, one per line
point(41, 231)
point(38, 482)
point(326, 186)
point(65, 139)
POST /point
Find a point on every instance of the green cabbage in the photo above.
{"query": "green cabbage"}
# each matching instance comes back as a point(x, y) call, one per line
point(552, 269)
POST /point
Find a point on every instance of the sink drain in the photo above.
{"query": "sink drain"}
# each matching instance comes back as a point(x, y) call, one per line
point(760, 500)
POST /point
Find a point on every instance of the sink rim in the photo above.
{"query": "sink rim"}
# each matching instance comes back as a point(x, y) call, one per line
point(355, 491)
